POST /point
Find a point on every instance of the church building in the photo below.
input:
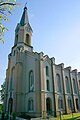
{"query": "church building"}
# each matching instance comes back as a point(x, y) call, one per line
point(35, 84)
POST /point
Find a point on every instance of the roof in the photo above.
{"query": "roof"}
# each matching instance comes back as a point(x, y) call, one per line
point(24, 19)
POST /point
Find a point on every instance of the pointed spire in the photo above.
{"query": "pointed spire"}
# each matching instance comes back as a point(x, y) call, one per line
point(24, 19)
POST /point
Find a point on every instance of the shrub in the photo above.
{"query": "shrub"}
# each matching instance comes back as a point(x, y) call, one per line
point(14, 116)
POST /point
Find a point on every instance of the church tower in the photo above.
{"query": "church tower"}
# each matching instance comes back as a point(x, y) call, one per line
point(23, 32)
point(16, 75)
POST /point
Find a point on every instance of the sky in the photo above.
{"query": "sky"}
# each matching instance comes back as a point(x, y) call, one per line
point(56, 31)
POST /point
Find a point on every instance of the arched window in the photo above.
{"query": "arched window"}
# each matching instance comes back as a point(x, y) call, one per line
point(48, 86)
point(74, 86)
point(31, 81)
point(27, 39)
point(30, 105)
point(67, 85)
point(60, 103)
point(79, 84)
point(16, 39)
point(12, 79)
point(69, 103)
point(47, 71)
point(58, 81)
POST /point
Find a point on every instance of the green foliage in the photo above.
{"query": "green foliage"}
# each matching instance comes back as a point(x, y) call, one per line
point(2, 91)
point(5, 9)
point(14, 115)
point(1, 108)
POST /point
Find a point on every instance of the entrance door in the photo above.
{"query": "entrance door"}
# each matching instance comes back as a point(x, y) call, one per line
point(48, 105)
point(77, 104)
point(10, 105)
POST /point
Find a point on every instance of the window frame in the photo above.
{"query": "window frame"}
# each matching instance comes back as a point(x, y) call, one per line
point(60, 103)
point(27, 39)
point(48, 85)
point(67, 85)
point(47, 71)
point(30, 105)
point(58, 85)
point(69, 103)
point(31, 81)
point(75, 86)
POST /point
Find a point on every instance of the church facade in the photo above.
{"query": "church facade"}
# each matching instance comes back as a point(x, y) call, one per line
point(34, 83)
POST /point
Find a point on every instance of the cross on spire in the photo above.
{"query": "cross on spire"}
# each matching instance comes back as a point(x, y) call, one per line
point(25, 4)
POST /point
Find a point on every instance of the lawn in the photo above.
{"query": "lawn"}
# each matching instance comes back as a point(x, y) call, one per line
point(76, 116)
point(71, 117)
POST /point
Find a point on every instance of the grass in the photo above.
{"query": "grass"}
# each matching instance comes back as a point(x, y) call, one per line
point(71, 117)
point(75, 116)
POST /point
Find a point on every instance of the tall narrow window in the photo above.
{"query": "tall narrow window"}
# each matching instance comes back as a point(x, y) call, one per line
point(60, 103)
point(27, 39)
point(74, 86)
point(12, 78)
point(47, 71)
point(16, 39)
point(69, 103)
point(67, 85)
point(58, 81)
point(30, 105)
point(31, 81)
point(79, 84)
point(48, 86)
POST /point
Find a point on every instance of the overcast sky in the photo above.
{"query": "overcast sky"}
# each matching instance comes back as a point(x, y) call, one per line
point(56, 31)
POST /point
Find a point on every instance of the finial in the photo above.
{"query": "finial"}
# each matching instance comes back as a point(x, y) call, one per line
point(25, 4)
point(25, 8)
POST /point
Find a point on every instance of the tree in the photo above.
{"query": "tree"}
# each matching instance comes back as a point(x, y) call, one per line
point(2, 92)
point(5, 9)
